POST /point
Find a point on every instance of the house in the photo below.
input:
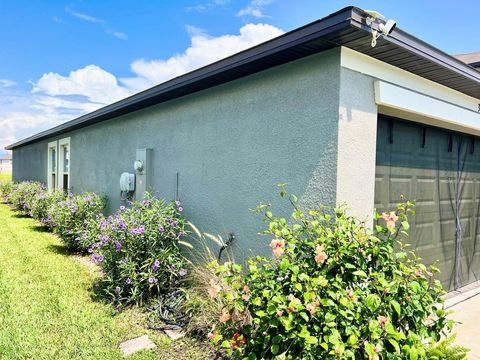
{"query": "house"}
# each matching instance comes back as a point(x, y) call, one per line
point(320, 108)
point(5, 163)
point(472, 59)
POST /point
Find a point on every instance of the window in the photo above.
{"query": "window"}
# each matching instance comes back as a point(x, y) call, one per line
point(64, 164)
point(52, 166)
point(59, 165)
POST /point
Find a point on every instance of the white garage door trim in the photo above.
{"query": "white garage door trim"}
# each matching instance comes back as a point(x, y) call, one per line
point(405, 100)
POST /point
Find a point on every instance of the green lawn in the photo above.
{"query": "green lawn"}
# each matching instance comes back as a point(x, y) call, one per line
point(46, 305)
point(5, 178)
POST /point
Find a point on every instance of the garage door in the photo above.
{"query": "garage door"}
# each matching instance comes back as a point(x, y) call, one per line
point(440, 171)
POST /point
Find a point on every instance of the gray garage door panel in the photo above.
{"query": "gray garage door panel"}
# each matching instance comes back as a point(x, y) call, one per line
point(440, 171)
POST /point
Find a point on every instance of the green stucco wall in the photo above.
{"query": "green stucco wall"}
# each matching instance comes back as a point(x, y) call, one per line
point(230, 145)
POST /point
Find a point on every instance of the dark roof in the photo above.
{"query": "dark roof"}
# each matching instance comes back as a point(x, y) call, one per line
point(472, 59)
point(346, 27)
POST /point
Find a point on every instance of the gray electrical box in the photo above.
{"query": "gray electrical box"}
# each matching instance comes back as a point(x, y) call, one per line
point(144, 172)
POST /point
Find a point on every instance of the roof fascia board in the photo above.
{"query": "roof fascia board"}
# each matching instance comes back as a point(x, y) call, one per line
point(417, 46)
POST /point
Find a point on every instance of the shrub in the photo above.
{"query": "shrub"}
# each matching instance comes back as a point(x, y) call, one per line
point(6, 190)
point(70, 217)
point(334, 290)
point(23, 194)
point(40, 206)
point(138, 250)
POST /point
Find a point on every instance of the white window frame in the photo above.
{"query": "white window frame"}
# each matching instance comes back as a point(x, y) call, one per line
point(50, 184)
point(62, 143)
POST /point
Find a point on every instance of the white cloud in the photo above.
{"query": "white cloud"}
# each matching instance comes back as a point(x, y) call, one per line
point(7, 83)
point(57, 19)
point(84, 17)
point(255, 8)
point(204, 49)
point(118, 34)
point(199, 8)
point(96, 84)
point(56, 98)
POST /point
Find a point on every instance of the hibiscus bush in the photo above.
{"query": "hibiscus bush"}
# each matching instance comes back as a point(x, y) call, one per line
point(334, 289)
point(71, 216)
point(138, 249)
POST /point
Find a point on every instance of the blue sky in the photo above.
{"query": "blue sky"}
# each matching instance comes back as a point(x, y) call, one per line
point(60, 59)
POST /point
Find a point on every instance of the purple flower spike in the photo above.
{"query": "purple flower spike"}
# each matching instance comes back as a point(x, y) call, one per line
point(156, 265)
point(161, 229)
point(183, 272)
point(118, 246)
point(128, 281)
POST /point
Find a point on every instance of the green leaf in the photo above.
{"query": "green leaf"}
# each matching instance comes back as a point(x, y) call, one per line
point(275, 348)
point(413, 353)
point(304, 315)
point(373, 302)
point(360, 273)
point(395, 345)
point(396, 306)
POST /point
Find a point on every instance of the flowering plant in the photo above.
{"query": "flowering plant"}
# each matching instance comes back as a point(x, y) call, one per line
point(23, 194)
point(70, 217)
point(138, 250)
point(6, 190)
point(333, 290)
point(40, 204)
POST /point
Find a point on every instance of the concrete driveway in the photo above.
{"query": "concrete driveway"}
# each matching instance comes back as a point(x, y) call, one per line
point(466, 306)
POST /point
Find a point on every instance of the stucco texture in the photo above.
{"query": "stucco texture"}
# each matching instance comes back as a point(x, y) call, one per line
point(231, 145)
point(357, 134)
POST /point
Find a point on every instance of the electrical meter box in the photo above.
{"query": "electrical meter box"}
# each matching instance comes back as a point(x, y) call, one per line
point(144, 172)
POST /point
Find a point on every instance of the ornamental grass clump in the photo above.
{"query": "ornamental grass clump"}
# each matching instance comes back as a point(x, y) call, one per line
point(138, 250)
point(70, 217)
point(333, 289)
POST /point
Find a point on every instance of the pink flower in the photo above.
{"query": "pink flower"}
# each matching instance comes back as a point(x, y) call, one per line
point(278, 247)
point(214, 289)
point(212, 335)
point(279, 313)
point(246, 293)
point(312, 307)
point(224, 317)
point(382, 320)
point(378, 348)
point(351, 294)
point(390, 219)
point(321, 255)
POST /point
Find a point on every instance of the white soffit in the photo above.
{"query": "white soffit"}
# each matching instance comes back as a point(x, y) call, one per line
point(412, 102)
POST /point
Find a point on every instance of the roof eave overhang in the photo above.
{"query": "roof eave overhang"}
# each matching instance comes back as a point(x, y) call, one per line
point(346, 27)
